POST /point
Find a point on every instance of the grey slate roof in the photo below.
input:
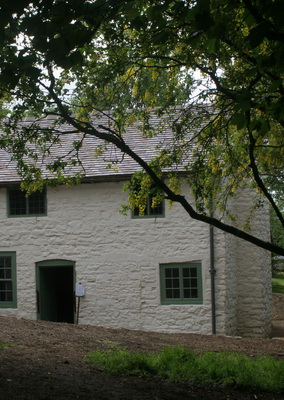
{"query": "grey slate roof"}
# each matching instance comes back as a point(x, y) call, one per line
point(94, 167)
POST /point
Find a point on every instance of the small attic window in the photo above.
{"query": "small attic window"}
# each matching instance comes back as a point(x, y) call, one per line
point(150, 212)
point(21, 205)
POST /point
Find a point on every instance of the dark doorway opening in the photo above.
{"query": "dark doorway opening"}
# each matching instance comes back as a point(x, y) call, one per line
point(55, 293)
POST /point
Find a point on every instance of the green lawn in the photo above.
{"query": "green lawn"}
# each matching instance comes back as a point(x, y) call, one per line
point(278, 283)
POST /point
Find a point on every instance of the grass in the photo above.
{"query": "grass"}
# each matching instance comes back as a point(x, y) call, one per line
point(180, 365)
point(278, 283)
point(4, 345)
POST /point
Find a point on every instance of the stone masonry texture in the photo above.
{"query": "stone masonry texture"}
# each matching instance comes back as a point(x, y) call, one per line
point(117, 259)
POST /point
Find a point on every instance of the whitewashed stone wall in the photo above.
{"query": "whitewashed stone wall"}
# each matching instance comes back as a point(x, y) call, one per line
point(117, 259)
point(225, 280)
point(253, 273)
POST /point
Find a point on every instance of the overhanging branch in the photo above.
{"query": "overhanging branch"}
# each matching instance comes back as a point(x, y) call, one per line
point(111, 137)
point(256, 175)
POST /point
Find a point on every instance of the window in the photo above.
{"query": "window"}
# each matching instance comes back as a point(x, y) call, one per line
point(150, 212)
point(21, 205)
point(181, 283)
point(8, 280)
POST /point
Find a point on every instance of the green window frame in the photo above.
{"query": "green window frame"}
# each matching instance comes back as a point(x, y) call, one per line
point(150, 212)
point(20, 205)
point(181, 283)
point(8, 280)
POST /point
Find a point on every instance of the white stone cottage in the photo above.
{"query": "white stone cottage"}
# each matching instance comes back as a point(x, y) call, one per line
point(163, 272)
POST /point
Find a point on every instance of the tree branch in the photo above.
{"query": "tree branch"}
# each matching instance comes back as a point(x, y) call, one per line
point(257, 177)
point(115, 139)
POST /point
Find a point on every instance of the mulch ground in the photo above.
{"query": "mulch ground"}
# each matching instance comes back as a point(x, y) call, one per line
point(45, 360)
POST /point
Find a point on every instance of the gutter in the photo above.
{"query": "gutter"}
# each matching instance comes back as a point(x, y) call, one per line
point(96, 179)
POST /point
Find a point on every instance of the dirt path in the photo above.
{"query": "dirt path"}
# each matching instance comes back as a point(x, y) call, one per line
point(45, 361)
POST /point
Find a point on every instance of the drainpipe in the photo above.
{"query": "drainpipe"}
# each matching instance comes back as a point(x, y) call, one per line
point(212, 275)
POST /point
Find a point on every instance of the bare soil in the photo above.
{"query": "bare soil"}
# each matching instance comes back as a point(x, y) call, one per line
point(45, 360)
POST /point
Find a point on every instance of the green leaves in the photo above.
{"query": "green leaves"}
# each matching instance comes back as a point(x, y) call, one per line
point(239, 120)
point(258, 33)
point(132, 11)
point(201, 15)
point(212, 71)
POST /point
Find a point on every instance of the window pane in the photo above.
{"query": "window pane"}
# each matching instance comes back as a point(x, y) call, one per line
point(5, 268)
point(175, 272)
point(185, 272)
point(7, 273)
point(190, 293)
point(175, 283)
point(168, 284)
point(172, 283)
point(17, 202)
point(10, 295)
point(6, 291)
point(6, 296)
point(186, 283)
point(172, 293)
point(168, 272)
point(193, 282)
point(158, 210)
point(5, 285)
point(190, 283)
point(172, 273)
point(136, 212)
point(7, 262)
point(36, 203)
point(3, 296)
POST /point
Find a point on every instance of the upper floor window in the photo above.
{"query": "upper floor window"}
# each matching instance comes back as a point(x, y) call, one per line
point(149, 211)
point(8, 280)
point(19, 204)
point(181, 283)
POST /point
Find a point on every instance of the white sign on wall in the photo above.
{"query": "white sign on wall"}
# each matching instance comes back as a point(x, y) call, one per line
point(80, 290)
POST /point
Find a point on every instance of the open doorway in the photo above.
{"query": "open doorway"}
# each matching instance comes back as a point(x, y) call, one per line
point(55, 291)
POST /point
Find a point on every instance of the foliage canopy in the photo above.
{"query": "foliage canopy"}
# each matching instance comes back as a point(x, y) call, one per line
point(216, 67)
